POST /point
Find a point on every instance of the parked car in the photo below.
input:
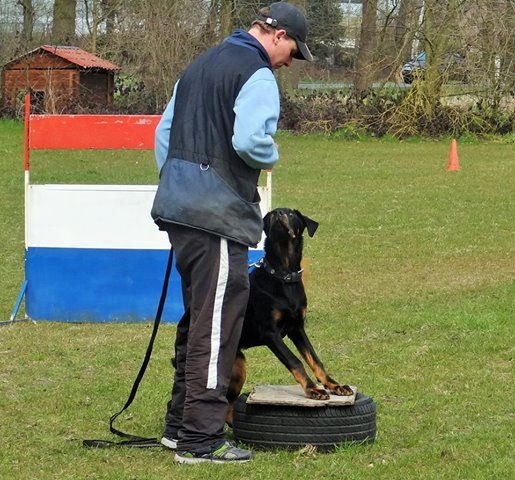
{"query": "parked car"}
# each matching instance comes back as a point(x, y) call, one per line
point(416, 66)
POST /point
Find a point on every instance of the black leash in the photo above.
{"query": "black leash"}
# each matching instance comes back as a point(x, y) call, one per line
point(134, 440)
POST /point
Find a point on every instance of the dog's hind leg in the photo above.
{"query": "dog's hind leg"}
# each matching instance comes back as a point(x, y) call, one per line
point(238, 377)
point(301, 341)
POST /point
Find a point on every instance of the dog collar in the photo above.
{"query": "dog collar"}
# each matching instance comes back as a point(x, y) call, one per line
point(290, 277)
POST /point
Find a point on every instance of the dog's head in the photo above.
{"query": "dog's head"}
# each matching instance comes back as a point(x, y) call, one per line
point(286, 224)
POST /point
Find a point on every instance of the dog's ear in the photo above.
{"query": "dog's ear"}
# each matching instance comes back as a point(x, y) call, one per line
point(266, 224)
point(310, 224)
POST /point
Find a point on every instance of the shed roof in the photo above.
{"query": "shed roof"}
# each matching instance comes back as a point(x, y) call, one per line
point(74, 55)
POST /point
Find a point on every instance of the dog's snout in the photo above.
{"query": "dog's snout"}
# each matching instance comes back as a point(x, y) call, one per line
point(282, 220)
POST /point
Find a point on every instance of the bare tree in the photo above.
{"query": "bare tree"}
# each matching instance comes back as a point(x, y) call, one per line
point(100, 19)
point(406, 27)
point(154, 41)
point(227, 10)
point(110, 9)
point(367, 44)
point(28, 22)
point(63, 26)
point(491, 50)
point(92, 19)
point(440, 20)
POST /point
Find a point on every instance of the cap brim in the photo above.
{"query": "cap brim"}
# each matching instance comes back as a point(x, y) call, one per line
point(303, 52)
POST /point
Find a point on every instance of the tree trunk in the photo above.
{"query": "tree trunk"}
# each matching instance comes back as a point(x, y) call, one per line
point(364, 63)
point(95, 13)
point(508, 56)
point(28, 22)
point(63, 27)
point(406, 28)
point(226, 17)
point(210, 26)
point(440, 18)
point(109, 12)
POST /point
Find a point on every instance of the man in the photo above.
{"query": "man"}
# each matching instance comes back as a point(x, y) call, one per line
point(211, 143)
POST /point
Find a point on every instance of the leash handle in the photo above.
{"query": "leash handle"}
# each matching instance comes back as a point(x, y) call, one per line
point(134, 440)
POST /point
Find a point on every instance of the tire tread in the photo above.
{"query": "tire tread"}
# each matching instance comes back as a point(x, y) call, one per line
point(293, 426)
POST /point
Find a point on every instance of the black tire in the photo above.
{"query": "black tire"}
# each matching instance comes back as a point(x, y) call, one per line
point(283, 426)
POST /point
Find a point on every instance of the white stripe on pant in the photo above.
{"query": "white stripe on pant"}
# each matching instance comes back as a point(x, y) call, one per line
point(223, 272)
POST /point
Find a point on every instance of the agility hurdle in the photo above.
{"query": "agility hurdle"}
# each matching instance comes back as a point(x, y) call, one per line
point(93, 252)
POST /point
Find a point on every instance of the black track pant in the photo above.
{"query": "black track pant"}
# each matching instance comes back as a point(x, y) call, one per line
point(215, 288)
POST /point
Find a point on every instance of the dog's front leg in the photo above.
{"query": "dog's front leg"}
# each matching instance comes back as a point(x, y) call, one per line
point(301, 341)
point(294, 365)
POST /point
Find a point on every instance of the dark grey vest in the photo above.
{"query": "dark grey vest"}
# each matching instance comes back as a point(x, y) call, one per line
point(204, 183)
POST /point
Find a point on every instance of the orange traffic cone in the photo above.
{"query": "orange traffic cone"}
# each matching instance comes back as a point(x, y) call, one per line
point(453, 163)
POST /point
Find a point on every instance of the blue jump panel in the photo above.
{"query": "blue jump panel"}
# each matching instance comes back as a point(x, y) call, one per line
point(101, 285)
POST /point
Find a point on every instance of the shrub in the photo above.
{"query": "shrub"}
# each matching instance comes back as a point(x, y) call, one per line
point(397, 112)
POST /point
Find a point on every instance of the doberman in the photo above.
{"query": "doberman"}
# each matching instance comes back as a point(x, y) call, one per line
point(277, 308)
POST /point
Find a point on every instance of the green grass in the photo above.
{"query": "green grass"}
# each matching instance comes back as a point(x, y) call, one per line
point(411, 299)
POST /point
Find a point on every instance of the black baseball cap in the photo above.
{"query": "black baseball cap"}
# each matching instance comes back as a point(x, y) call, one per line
point(285, 16)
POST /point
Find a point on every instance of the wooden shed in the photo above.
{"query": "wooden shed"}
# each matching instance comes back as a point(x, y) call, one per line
point(58, 79)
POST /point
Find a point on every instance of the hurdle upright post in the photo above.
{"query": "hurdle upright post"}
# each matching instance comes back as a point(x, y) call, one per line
point(26, 155)
point(26, 140)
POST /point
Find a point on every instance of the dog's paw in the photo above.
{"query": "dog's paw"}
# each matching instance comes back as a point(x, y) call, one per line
point(317, 393)
point(342, 390)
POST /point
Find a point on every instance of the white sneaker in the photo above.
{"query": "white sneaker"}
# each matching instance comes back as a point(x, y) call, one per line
point(170, 443)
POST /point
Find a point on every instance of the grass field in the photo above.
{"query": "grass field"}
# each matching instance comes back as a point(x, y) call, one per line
point(411, 298)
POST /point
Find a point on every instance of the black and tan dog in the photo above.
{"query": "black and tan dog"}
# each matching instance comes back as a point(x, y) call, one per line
point(277, 307)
